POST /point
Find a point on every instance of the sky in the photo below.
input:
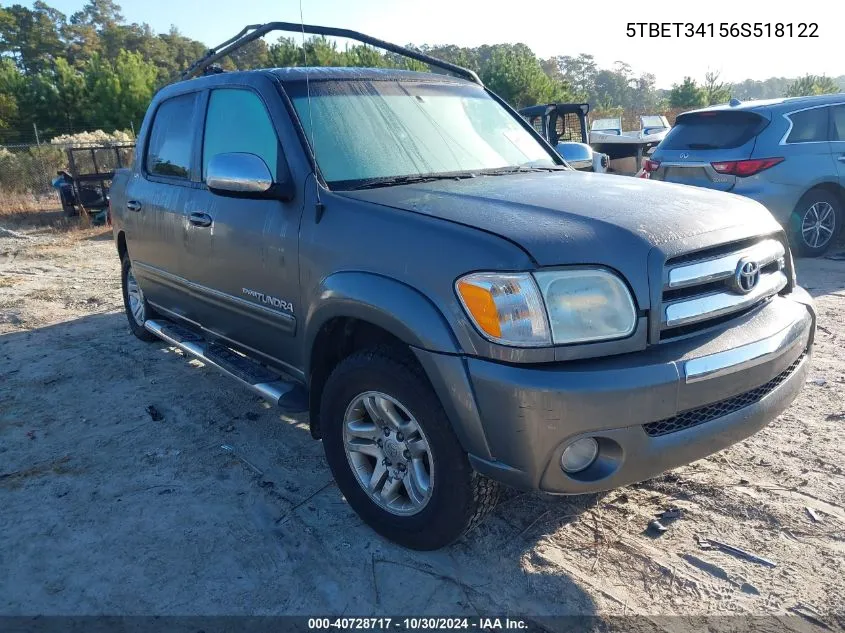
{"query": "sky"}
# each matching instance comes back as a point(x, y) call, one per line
point(548, 31)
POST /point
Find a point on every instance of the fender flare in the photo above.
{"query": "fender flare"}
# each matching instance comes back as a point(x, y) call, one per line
point(414, 319)
point(826, 184)
point(387, 303)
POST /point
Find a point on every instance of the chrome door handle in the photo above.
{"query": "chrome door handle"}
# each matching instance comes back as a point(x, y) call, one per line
point(133, 205)
point(841, 159)
point(200, 219)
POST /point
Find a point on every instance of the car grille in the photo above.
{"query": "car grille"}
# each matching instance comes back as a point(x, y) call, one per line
point(703, 289)
point(707, 413)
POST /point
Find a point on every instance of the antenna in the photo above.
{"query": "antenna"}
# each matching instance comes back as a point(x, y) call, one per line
point(320, 207)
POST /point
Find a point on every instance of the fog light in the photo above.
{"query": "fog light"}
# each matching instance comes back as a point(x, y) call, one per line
point(579, 455)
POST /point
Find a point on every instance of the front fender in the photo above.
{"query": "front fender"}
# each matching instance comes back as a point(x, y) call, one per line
point(389, 304)
point(412, 318)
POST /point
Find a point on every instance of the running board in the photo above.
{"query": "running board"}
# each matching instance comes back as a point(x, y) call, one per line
point(287, 394)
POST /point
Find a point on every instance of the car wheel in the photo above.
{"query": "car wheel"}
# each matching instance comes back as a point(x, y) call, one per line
point(815, 223)
point(394, 455)
point(136, 306)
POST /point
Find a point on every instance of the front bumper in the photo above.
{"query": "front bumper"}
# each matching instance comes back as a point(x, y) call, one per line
point(649, 411)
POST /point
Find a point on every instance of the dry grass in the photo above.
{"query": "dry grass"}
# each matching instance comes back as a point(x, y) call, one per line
point(40, 221)
point(45, 294)
point(58, 466)
point(24, 211)
point(13, 203)
point(9, 281)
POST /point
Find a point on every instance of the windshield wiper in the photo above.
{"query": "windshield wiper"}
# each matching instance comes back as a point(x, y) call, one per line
point(391, 181)
point(518, 169)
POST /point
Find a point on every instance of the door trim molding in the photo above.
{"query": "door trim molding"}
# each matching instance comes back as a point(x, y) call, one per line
point(283, 321)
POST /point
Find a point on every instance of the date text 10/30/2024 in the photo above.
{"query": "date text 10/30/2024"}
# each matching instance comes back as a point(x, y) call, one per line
point(722, 29)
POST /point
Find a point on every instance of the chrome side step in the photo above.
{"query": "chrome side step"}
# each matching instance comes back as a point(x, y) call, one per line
point(287, 394)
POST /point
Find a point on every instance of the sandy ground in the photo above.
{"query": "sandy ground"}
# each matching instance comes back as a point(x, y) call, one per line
point(225, 507)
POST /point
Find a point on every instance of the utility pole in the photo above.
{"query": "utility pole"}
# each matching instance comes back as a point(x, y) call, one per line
point(35, 128)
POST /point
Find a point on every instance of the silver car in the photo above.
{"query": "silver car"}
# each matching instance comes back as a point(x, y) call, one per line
point(788, 154)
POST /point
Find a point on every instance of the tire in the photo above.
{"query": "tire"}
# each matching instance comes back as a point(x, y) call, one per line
point(816, 222)
point(457, 499)
point(135, 324)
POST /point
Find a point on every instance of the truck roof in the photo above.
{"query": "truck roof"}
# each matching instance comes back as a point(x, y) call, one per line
point(295, 74)
point(344, 72)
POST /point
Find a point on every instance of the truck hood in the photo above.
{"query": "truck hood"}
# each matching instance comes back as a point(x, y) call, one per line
point(572, 217)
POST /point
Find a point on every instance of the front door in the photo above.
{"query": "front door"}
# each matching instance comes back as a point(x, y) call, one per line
point(242, 252)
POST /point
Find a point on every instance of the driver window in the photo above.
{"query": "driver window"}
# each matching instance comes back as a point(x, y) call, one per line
point(237, 121)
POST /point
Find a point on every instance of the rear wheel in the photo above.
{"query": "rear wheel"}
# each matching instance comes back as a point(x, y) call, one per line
point(815, 223)
point(136, 306)
point(394, 455)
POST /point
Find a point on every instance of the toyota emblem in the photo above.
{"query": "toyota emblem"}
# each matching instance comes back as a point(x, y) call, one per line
point(747, 275)
point(684, 155)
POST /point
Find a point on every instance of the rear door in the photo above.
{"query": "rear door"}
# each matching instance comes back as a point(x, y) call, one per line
point(156, 197)
point(245, 261)
point(699, 139)
point(837, 139)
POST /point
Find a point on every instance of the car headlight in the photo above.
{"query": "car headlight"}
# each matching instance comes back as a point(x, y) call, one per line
point(506, 307)
point(550, 307)
point(588, 304)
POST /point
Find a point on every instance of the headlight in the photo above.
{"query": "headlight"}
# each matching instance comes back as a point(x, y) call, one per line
point(584, 305)
point(507, 308)
point(560, 307)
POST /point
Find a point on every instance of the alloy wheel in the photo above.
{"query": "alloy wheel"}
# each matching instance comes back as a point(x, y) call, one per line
point(389, 453)
point(818, 225)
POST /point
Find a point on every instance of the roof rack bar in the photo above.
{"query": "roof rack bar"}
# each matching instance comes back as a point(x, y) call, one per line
point(255, 31)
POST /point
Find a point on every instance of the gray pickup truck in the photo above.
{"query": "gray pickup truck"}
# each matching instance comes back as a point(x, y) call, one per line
point(402, 256)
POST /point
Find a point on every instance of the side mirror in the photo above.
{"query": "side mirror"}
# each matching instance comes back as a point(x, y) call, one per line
point(245, 175)
point(574, 152)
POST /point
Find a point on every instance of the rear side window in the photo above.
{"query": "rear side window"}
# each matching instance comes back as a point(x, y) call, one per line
point(808, 126)
point(237, 121)
point(171, 138)
point(838, 115)
point(714, 130)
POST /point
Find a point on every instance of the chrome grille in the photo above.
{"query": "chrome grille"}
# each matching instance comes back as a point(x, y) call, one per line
point(698, 293)
point(707, 413)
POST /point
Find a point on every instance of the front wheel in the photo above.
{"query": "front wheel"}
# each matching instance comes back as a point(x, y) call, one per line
point(394, 455)
point(815, 223)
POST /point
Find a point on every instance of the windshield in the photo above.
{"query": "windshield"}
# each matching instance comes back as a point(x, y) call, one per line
point(607, 125)
point(376, 130)
point(653, 121)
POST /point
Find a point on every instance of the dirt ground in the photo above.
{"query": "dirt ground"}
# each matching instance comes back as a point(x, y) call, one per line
point(225, 507)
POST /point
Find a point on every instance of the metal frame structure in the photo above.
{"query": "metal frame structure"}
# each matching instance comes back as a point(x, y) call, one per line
point(79, 180)
point(551, 112)
point(254, 31)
